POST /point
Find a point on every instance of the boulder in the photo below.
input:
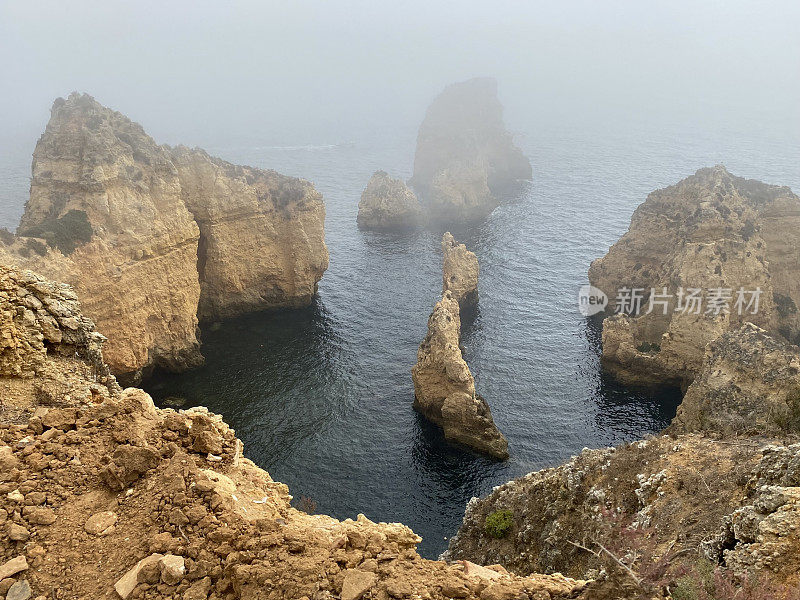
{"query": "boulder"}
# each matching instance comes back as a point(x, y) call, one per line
point(460, 271)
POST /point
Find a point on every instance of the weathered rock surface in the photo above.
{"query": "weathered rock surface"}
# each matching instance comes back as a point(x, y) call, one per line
point(388, 204)
point(465, 159)
point(187, 525)
point(749, 385)
point(711, 231)
point(262, 238)
point(116, 216)
point(651, 503)
point(764, 535)
point(444, 390)
point(460, 271)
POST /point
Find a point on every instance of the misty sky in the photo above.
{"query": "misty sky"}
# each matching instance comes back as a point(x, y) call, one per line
point(310, 72)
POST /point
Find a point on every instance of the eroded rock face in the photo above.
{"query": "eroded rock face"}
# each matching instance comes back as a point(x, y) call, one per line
point(444, 390)
point(654, 499)
point(749, 385)
point(465, 159)
point(112, 476)
point(711, 231)
point(262, 238)
point(388, 204)
point(764, 535)
point(460, 271)
point(120, 214)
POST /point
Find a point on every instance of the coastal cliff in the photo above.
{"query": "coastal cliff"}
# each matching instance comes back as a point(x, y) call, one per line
point(465, 160)
point(262, 238)
point(152, 237)
point(164, 501)
point(713, 235)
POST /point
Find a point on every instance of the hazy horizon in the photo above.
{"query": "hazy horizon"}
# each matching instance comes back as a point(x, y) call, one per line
point(205, 74)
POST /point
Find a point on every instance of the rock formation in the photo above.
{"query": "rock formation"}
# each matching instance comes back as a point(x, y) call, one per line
point(116, 216)
point(165, 503)
point(749, 385)
point(388, 204)
point(262, 240)
point(722, 235)
point(465, 159)
point(444, 390)
point(460, 271)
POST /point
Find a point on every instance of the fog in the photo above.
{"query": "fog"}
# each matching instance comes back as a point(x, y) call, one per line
point(324, 72)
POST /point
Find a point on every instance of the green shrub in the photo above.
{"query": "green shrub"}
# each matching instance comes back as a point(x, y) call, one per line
point(65, 233)
point(499, 523)
point(648, 347)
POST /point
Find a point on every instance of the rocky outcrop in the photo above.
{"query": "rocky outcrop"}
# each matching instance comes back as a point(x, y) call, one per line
point(262, 238)
point(116, 216)
point(460, 271)
point(721, 235)
point(444, 390)
point(658, 505)
point(749, 385)
point(388, 204)
point(168, 507)
point(466, 161)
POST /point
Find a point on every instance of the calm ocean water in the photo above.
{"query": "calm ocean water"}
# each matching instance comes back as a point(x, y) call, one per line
point(322, 397)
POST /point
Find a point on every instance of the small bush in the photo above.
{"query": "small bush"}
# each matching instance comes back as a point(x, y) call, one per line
point(648, 347)
point(499, 523)
point(6, 236)
point(65, 233)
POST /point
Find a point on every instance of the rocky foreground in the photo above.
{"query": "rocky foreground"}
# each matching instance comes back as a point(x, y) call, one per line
point(710, 235)
point(715, 503)
point(103, 495)
point(153, 238)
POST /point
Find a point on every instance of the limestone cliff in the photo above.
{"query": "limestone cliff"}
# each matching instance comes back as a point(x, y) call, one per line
point(262, 238)
point(388, 204)
point(460, 271)
point(116, 216)
point(444, 390)
point(166, 505)
point(722, 235)
point(749, 384)
point(465, 160)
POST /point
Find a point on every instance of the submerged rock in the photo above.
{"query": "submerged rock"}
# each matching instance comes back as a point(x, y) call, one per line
point(387, 203)
point(150, 237)
point(460, 271)
point(733, 242)
point(465, 159)
point(444, 390)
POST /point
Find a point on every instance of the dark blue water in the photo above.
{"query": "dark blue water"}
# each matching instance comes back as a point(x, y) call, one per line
point(322, 397)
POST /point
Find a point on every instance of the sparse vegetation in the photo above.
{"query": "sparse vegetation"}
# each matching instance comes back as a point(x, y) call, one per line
point(784, 304)
point(499, 523)
point(649, 347)
point(307, 505)
point(66, 233)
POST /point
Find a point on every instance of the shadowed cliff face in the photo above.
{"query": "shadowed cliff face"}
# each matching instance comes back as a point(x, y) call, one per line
point(465, 158)
point(129, 223)
point(710, 231)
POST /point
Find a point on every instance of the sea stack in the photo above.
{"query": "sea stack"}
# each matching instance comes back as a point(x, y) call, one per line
point(151, 237)
point(388, 204)
point(444, 389)
point(711, 252)
point(460, 272)
point(466, 160)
